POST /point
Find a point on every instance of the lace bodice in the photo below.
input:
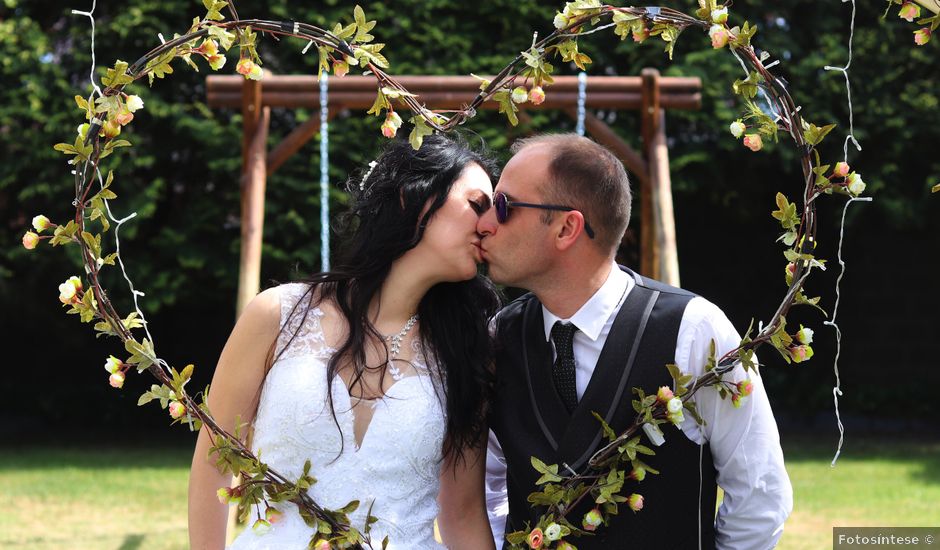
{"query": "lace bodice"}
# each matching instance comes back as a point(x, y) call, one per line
point(396, 469)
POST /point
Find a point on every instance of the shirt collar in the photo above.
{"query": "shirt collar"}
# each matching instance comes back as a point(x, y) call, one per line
point(594, 314)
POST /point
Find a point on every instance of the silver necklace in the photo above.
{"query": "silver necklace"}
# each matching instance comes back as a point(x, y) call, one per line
point(395, 341)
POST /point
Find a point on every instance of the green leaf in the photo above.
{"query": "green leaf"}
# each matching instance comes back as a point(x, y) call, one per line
point(214, 8)
point(222, 36)
point(815, 134)
point(421, 129)
point(747, 87)
point(117, 76)
point(507, 106)
point(608, 432)
point(380, 104)
point(362, 26)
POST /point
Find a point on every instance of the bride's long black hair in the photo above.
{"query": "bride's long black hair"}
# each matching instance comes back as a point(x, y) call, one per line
point(386, 219)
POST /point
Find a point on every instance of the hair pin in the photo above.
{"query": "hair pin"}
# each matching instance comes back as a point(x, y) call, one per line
point(362, 184)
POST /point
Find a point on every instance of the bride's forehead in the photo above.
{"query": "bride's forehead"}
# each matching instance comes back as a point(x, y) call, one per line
point(472, 179)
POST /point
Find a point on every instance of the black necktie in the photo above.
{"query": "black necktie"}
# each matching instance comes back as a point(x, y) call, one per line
point(563, 370)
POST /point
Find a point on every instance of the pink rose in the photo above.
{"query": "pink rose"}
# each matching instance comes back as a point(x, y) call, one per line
point(321, 544)
point(124, 117)
point(537, 95)
point(635, 502)
point(592, 519)
point(737, 400)
point(273, 515)
point(745, 387)
point(841, 170)
point(30, 240)
point(340, 67)
point(641, 34)
point(909, 11)
point(753, 142)
point(564, 545)
point(535, 538)
point(664, 394)
point(719, 36)
point(116, 380)
point(800, 353)
point(177, 409)
point(922, 36)
point(391, 125)
point(249, 69)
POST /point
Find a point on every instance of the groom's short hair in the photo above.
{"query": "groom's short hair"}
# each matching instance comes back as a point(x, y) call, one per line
point(588, 177)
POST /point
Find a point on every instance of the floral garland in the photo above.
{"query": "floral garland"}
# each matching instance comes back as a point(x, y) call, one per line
point(909, 11)
point(522, 80)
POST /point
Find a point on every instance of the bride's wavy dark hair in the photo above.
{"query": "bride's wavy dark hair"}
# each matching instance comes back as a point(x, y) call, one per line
point(386, 219)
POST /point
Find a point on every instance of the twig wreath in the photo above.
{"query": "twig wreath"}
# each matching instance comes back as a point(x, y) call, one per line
point(768, 110)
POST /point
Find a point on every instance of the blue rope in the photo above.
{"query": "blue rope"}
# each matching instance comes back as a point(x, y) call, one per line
point(324, 175)
point(582, 95)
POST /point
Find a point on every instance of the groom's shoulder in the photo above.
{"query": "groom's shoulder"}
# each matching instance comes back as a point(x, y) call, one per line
point(511, 313)
point(659, 286)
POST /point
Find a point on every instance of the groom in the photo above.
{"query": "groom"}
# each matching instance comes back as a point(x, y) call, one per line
point(587, 333)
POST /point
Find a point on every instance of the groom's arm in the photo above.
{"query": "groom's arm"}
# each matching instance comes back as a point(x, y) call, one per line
point(744, 442)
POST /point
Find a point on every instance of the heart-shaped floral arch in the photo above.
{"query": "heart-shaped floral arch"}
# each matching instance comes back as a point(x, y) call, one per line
point(523, 79)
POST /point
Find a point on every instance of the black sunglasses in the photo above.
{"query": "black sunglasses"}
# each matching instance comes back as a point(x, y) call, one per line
point(502, 204)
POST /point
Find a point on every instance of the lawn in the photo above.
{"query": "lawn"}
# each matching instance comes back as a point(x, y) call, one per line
point(110, 499)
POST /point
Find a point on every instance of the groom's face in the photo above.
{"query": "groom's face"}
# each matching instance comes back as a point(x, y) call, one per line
point(518, 250)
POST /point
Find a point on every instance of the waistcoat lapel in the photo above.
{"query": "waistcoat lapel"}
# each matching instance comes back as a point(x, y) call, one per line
point(550, 412)
point(607, 391)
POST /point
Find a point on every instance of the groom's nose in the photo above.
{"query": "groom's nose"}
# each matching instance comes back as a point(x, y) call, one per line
point(487, 224)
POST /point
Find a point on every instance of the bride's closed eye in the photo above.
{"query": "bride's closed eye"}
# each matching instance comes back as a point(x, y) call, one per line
point(480, 205)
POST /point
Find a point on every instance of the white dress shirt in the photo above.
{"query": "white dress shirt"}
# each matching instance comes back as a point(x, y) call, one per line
point(744, 442)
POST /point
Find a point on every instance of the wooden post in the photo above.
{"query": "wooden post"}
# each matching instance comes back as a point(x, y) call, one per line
point(664, 223)
point(249, 272)
point(649, 116)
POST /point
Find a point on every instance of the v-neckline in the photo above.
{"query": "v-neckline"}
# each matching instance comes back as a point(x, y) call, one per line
point(358, 444)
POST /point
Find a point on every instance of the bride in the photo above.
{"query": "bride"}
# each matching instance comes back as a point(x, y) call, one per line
point(375, 372)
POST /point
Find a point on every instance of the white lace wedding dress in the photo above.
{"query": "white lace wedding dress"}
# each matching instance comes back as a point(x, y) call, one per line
point(395, 470)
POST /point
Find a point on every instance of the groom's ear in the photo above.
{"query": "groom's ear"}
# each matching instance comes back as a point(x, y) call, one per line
point(571, 226)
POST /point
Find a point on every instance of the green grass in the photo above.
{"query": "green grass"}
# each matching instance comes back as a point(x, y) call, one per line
point(876, 482)
point(127, 499)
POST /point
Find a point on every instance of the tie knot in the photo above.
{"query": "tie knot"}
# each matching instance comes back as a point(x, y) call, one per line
point(563, 333)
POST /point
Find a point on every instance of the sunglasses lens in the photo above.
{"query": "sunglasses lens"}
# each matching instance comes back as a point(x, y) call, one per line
point(502, 210)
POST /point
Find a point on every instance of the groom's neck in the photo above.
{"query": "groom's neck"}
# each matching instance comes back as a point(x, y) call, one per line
point(571, 286)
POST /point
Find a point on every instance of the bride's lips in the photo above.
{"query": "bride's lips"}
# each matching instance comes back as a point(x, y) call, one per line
point(480, 251)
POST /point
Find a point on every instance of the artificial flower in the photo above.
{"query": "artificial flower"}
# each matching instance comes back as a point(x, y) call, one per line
point(535, 538)
point(116, 380)
point(909, 11)
point(635, 502)
point(41, 223)
point(591, 520)
point(537, 95)
point(753, 142)
point(841, 170)
point(520, 95)
point(30, 240)
point(737, 128)
point(719, 36)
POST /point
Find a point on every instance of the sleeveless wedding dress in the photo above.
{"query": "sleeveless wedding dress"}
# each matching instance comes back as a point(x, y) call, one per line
point(395, 469)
